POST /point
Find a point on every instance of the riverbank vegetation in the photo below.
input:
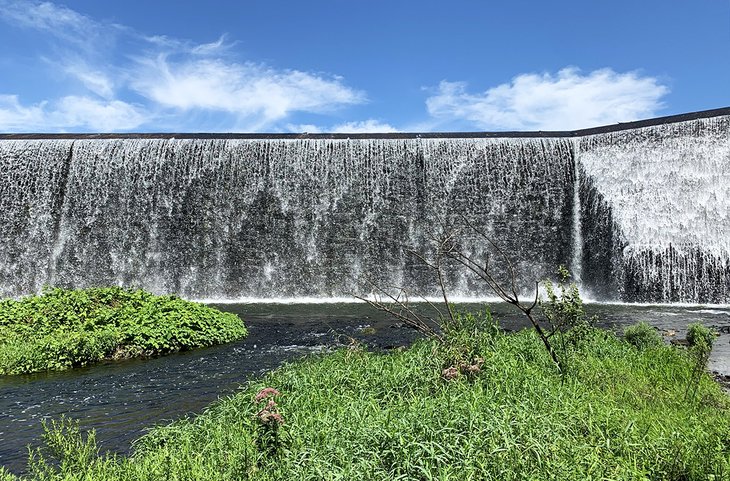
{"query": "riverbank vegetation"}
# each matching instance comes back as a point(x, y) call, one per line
point(65, 328)
point(478, 403)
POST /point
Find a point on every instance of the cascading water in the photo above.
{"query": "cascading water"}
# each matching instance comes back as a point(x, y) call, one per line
point(273, 218)
point(576, 263)
point(641, 214)
point(658, 211)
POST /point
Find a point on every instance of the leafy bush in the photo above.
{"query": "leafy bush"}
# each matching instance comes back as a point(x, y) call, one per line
point(568, 324)
point(64, 328)
point(642, 336)
point(699, 343)
point(698, 335)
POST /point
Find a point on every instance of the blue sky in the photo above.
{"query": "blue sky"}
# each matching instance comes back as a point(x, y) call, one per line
point(357, 66)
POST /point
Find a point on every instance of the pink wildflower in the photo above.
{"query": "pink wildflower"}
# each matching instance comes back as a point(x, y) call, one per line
point(475, 367)
point(265, 393)
point(277, 418)
point(450, 373)
point(472, 368)
point(269, 414)
point(270, 417)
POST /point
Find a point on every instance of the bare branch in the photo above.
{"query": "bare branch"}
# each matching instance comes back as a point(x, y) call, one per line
point(537, 292)
point(399, 307)
point(510, 266)
point(511, 297)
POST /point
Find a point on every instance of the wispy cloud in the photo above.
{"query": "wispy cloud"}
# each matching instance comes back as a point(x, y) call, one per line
point(242, 89)
point(165, 76)
point(565, 101)
point(213, 48)
point(364, 127)
point(70, 112)
point(57, 21)
point(357, 127)
point(94, 79)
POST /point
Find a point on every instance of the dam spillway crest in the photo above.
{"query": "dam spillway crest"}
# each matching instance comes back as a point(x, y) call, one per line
point(639, 214)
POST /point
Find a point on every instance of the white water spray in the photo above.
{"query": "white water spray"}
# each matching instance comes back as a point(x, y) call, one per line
point(577, 259)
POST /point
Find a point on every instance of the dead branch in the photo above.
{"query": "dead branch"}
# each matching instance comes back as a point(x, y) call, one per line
point(399, 306)
point(509, 295)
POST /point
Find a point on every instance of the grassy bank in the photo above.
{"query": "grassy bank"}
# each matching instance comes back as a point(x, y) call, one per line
point(482, 405)
point(65, 328)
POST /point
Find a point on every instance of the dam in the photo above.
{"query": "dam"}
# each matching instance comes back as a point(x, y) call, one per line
point(639, 212)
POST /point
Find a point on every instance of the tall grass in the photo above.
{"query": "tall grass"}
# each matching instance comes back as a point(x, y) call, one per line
point(64, 328)
point(620, 413)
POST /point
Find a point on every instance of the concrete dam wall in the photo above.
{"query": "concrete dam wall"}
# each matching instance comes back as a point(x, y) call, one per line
point(638, 212)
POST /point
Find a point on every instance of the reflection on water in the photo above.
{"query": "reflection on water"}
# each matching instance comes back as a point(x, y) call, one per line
point(122, 399)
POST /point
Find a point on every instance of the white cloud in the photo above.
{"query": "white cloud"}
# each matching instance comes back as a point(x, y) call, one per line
point(95, 80)
point(45, 16)
point(364, 127)
point(566, 101)
point(16, 118)
point(359, 127)
point(204, 81)
point(218, 46)
point(67, 113)
point(57, 20)
point(106, 116)
point(243, 89)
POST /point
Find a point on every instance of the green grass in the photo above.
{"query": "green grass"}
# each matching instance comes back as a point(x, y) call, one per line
point(617, 413)
point(65, 328)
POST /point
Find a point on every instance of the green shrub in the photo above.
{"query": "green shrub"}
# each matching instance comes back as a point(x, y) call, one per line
point(699, 343)
point(64, 328)
point(567, 323)
point(698, 335)
point(642, 336)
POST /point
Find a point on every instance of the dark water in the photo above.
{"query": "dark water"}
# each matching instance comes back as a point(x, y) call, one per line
point(123, 399)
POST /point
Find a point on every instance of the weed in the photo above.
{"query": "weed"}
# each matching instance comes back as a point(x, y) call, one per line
point(268, 436)
point(642, 336)
point(565, 316)
point(699, 342)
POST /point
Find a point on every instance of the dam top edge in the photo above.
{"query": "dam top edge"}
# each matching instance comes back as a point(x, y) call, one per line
point(637, 124)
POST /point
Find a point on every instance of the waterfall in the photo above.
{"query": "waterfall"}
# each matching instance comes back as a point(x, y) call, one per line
point(638, 212)
point(236, 218)
point(576, 263)
point(665, 191)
